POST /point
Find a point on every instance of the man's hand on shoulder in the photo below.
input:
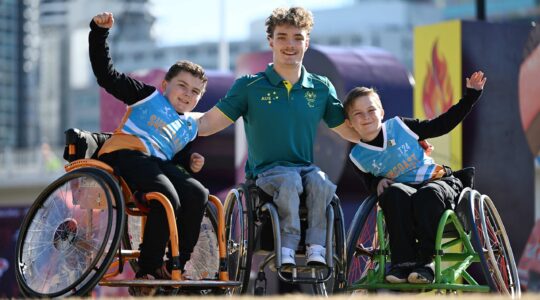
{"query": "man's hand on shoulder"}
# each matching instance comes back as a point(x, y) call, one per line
point(104, 20)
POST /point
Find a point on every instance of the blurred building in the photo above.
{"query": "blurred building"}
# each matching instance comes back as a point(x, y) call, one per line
point(18, 62)
point(67, 89)
point(360, 24)
point(42, 95)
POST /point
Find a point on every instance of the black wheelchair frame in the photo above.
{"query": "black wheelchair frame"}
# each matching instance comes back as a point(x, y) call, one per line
point(252, 227)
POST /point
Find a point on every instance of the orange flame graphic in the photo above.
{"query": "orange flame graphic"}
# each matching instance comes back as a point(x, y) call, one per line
point(437, 94)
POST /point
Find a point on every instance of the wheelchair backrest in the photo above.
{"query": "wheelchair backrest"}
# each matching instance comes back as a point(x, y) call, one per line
point(466, 176)
point(83, 144)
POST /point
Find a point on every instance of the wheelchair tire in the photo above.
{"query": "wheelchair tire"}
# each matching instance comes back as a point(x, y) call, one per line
point(204, 262)
point(70, 235)
point(499, 252)
point(337, 283)
point(239, 237)
point(362, 240)
point(477, 236)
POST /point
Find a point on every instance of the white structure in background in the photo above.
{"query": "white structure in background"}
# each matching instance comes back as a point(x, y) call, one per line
point(68, 93)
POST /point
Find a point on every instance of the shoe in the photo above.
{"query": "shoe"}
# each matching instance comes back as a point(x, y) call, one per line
point(422, 274)
point(399, 273)
point(163, 273)
point(315, 255)
point(287, 256)
point(143, 291)
point(147, 291)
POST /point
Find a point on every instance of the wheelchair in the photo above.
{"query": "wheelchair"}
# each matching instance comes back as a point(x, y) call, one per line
point(469, 238)
point(85, 226)
point(252, 227)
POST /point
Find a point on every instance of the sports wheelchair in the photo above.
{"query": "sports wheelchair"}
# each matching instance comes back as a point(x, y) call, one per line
point(473, 234)
point(252, 227)
point(86, 225)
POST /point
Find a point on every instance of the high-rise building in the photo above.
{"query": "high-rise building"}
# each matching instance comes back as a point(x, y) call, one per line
point(18, 61)
point(68, 92)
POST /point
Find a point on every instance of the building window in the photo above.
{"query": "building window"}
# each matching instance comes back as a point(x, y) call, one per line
point(356, 40)
point(138, 56)
point(159, 55)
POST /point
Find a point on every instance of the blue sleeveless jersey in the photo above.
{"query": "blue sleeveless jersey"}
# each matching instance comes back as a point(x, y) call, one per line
point(158, 126)
point(401, 158)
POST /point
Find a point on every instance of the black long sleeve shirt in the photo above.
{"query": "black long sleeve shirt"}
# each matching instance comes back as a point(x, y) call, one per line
point(120, 85)
point(436, 127)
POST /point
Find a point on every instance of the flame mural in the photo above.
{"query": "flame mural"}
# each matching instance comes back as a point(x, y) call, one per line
point(437, 69)
point(437, 93)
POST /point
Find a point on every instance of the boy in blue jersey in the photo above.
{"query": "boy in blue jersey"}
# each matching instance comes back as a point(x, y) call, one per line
point(150, 150)
point(413, 190)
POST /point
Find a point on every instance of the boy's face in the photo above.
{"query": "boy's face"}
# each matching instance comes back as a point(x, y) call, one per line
point(365, 116)
point(289, 43)
point(183, 91)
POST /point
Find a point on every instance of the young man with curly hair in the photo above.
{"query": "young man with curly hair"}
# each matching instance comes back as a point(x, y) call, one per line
point(282, 108)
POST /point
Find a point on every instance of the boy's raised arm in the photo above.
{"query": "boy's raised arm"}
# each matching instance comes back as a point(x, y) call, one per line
point(116, 83)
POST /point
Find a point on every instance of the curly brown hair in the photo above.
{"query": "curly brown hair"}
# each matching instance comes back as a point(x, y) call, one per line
point(296, 16)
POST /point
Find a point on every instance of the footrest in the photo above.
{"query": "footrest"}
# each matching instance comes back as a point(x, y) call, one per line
point(181, 283)
point(317, 274)
point(303, 269)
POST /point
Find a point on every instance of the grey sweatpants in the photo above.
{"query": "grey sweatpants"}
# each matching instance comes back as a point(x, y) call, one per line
point(286, 184)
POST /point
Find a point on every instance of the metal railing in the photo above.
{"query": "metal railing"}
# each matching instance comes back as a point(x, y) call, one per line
point(33, 164)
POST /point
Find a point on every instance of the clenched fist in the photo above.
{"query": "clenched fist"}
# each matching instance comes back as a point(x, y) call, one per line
point(104, 20)
point(196, 162)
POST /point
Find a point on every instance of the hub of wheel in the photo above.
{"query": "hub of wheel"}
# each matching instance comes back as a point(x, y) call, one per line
point(65, 234)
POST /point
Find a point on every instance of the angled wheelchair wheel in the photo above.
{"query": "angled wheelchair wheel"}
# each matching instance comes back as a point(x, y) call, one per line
point(337, 283)
point(474, 214)
point(69, 235)
point(362, 242)
point(500, 257)
point(238, 235)
point(132, 237)
point(204, 262)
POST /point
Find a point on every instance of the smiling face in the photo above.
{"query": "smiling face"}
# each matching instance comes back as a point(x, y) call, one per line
point(365, 115)
point(183, 91)
point(289, 44)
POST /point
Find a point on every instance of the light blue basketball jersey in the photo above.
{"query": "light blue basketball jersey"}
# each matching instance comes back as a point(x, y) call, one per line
point(401, 158)
point(160, 128)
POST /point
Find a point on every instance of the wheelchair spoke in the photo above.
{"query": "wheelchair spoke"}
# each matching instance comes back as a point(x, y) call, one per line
point(64, 240)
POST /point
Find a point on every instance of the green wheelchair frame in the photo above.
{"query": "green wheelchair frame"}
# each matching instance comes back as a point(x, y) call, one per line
point(470, 235)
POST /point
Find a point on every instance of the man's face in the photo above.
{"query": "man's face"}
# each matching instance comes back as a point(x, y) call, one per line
point(183, 91)
point(289, 43)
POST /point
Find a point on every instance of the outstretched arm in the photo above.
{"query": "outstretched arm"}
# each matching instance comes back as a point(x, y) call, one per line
point(347, 133)
point(212, 121)
point(450, 119)
point(117, 84)
point(477, 81)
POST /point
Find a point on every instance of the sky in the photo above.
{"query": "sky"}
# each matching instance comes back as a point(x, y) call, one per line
point(192, 21)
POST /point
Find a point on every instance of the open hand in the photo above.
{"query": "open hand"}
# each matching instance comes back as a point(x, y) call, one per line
point(104, 20)
point(476, 81)
point(196, 162)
